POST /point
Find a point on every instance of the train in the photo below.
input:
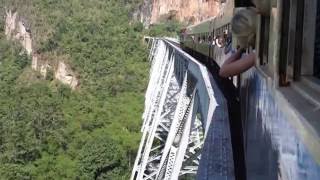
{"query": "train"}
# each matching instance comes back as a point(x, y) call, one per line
point(275, 105)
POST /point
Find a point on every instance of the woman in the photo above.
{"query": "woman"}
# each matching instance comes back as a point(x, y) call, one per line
point(244, 28)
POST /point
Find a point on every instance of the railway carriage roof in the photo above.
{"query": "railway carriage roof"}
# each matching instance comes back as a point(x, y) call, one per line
point(201, 27)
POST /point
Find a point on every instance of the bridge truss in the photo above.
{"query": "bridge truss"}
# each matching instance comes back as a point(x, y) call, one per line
point(185, 118)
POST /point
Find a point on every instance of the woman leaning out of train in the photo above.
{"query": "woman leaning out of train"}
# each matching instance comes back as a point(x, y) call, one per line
point(244, 28)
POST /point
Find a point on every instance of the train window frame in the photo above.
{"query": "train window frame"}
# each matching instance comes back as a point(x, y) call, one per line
point(284, 42)
point(302, 31)
point(295, 40)
point(264, 46)
point(302, 53)
point(316, 58)
point(264, 37)
point(300, 14)
point(291, 41)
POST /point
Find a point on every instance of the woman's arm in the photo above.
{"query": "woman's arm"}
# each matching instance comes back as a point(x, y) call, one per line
point(233, 57)
point(231, 67)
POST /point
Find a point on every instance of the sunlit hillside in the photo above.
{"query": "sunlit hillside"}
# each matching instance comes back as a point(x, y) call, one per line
point(48, 130)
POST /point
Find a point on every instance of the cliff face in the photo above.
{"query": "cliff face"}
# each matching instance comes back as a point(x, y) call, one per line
point(188, 11)
point(16, 29)
point(143, 13)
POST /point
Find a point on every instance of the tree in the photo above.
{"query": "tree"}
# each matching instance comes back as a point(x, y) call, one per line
point(101, 158)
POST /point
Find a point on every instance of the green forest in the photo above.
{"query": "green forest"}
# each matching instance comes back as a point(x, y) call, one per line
point(47, 130)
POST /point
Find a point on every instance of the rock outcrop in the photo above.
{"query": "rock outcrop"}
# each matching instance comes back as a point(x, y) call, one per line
point(16, 29)
point(188, 11)
point(65, 75)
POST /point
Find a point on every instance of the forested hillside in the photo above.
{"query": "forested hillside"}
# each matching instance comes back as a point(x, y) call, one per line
point(47, 130)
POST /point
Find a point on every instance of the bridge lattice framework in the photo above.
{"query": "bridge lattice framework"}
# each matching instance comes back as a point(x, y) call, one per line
point(185, 131)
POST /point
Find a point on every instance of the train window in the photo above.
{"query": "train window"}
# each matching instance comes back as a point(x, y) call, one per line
point(298, 40)
point(316, 66)
point(284, 43)
point(291, 41)
point(264, 40)
point(295, 40)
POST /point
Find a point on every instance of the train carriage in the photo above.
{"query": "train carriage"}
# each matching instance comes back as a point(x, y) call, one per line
point(280, 97)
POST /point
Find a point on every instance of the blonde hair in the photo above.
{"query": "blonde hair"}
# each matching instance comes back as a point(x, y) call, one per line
point(263, 6)
point(244, 26)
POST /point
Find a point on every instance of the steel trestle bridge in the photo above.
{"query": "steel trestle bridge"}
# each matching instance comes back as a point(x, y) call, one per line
point(186, 133)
